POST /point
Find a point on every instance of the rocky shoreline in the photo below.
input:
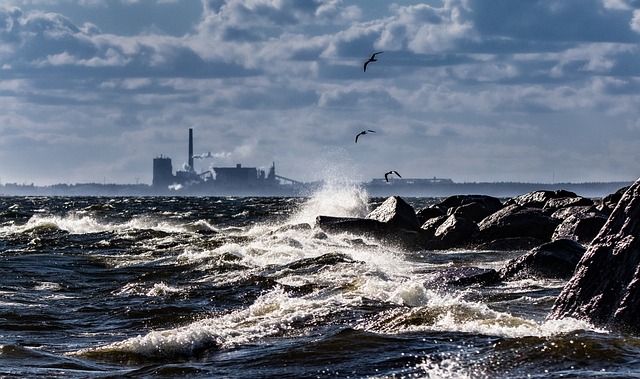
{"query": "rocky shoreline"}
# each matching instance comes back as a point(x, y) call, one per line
point(592, 243)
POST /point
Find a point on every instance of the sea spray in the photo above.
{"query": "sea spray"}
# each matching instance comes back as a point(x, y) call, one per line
point(341, 193)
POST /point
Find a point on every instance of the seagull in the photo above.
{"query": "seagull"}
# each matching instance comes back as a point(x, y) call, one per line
point(364, 132)
point(372, 59)
point(386, 176)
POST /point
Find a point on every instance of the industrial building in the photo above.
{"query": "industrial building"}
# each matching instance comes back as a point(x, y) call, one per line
point(222, 181)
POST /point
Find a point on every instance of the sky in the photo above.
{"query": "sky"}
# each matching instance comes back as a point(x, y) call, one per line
point(542, 91)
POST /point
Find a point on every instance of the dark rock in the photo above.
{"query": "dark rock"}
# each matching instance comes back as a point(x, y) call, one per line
point(609, 202)
point(605, 288)
point(579, 223)
point(472, 211)
point(428, 213)
point(515, 221)
point(563, 202)
point(368, 227)
point(493, 204)
point(537, 199)
point(464, 276)
point(371, 228)
point(553, 260)
point(431, 225)
point(510, 244)
point(395, 211)
point(455, 231)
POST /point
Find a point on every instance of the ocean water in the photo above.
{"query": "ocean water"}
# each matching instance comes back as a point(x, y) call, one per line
point(204, 287)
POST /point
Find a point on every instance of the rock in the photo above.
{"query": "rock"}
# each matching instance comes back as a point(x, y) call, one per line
point(492, 204)
point(373, 229)
point(579, 223)
point(515, 221)
point(511, 244)
point(605, 288)
point(362, 226)
point(395, 211)
point(537, 199)
point(563, 202)
point(431, 225)
point(472, 211)
point(553, 260)
point(430, 212)
point(464, 276)
point(455, 231)
point(609, 202)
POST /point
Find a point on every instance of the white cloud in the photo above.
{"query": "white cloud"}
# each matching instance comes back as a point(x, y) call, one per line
point(455, 91)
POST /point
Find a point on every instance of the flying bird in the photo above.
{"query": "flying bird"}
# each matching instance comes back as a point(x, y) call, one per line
point(363, 133)
point(372, 59)
point(386, 176)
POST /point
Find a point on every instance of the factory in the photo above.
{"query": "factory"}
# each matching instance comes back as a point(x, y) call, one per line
point(236, 180)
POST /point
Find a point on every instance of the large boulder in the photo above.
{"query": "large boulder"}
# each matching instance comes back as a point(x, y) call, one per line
point(427, 213)
point(455, 231)
point(537, 199)
point(492, 204)
point(395, 211)
point(553, 260)
point(579, 223)
point(463, 276)
point(371, 228)
point(605, 288)
point(515, 221)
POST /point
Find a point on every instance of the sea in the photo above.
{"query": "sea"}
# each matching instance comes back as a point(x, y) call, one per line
point(248, 287)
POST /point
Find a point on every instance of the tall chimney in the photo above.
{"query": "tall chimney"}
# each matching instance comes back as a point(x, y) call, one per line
point(190, 150)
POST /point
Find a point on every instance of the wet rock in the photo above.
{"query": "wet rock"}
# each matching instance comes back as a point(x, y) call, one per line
point(605, 288)
point(537, 199)
point(580, 223)
point(553, 260)
point(455, 231)
point(395, 211)
point(430, 212)
point(515, 221)
point(609, 202)
point(431, 225)
point(475, 212)
point(563, 202)
point(464, 276)
point(386, 232)
point(492, 204)
point(510, 244)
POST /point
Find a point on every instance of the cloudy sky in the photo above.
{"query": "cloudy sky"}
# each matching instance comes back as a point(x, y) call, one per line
point(472, 90)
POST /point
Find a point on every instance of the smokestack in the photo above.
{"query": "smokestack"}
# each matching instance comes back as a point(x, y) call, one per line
point(190, 149)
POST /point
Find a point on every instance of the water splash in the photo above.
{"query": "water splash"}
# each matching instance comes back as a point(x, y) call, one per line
point(341, 194)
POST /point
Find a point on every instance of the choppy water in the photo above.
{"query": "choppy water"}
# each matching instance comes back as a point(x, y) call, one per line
point(247, 288)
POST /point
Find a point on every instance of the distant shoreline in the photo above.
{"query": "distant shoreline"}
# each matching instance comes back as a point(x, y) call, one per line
point(374, 189)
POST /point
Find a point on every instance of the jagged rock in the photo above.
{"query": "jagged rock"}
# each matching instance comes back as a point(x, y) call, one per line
point(493, 204)
point(516, 221)
point(609, 202)
point(553, 260)
point(472, 211)
point(430, 212)
point(395, 211)
point(537, 199)
point(579, 223)
point(431, 225)
point(455, 231)
point(605, 288)
point(563, 202)
point(355, 225)
point(371, 228)
point(511, 244)
point(464, 276)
